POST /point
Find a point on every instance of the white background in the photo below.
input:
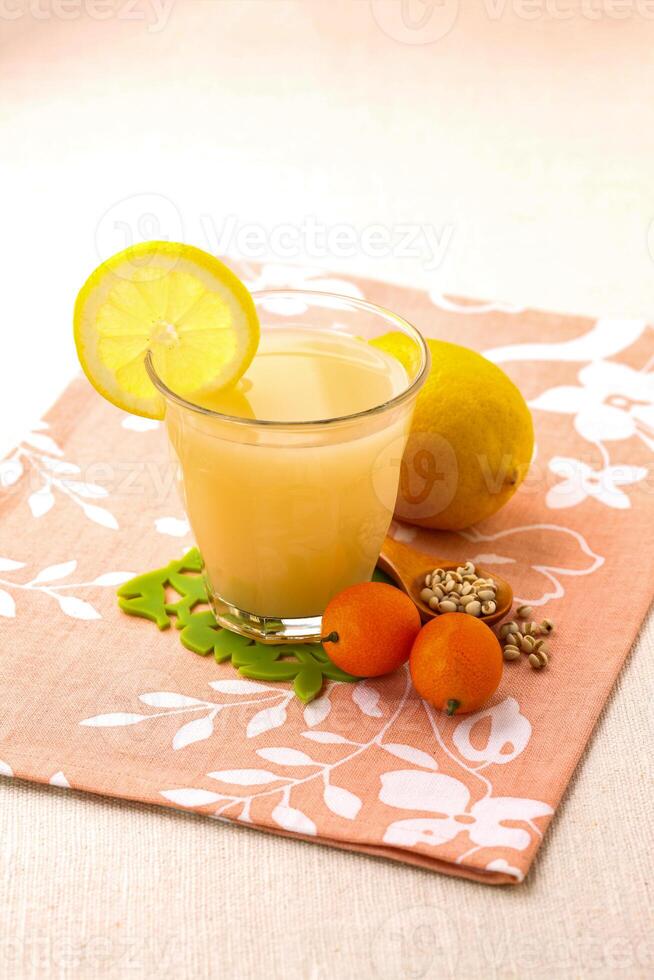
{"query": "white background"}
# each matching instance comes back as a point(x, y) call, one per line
point(526, 141)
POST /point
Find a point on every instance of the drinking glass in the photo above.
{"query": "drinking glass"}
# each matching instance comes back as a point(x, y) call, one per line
point(286, 514)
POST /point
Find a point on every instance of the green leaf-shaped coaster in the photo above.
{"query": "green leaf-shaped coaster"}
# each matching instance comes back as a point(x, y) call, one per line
point(307, 665)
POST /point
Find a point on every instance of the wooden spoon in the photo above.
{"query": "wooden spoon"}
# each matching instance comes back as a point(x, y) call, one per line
point(408, 567)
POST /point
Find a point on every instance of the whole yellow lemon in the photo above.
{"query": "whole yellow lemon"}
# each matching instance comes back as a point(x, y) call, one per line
point(471, 440)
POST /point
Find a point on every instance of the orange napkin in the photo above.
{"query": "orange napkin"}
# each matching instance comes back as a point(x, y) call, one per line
point(98, 701)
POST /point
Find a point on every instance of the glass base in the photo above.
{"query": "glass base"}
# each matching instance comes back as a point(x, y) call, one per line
point(265, 629)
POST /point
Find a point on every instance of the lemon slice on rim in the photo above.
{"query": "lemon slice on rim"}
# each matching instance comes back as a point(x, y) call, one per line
point(183, 305)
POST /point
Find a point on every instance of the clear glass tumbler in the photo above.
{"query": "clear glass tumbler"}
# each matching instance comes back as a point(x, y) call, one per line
point(286, 514)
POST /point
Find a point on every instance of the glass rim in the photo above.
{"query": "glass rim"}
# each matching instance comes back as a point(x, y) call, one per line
point(310, 294)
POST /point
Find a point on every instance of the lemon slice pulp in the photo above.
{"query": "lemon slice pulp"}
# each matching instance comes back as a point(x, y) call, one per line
point(183, 305)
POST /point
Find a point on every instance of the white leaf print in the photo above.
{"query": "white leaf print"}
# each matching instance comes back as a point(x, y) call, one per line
point(490, 558)
point(509, 733)
point(367, 699)
point(341, 802)
point(581, 481)
point(285, 305)
point(326, 737)
point(406, 534)
point(286, 757)
point(173, 526)
point(194, 731)
point(11, 471)
point(77, 608)
point(605, 338)
point(191, 797)
point(317, 710)
point(485, 820)
point(409, 789)
point(450, 304)
point(5, 769)
point(44, 443)
point(624, 475)
point(294, 820)
point(568, 399)
point(93, 490)
point(430, 831)
point(40, 502)
point(244, 777)
point(100, 515)
point(135, 423)
point(266, 720)
point(7, 565)
point(238, 687)
point(113, 578)
point(113, 720)
point(410, 754)
point(54, 572)
point(489, 830)
point(168, 699)
point(59, 780)
point(500, 864)
point(540, 542)
point(59, 466)
point(7, 605)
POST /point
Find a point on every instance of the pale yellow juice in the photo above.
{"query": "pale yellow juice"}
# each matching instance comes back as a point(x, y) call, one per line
point(285, 517)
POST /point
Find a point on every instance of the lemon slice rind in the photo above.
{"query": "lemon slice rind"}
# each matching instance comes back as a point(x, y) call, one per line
point(183, 305)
